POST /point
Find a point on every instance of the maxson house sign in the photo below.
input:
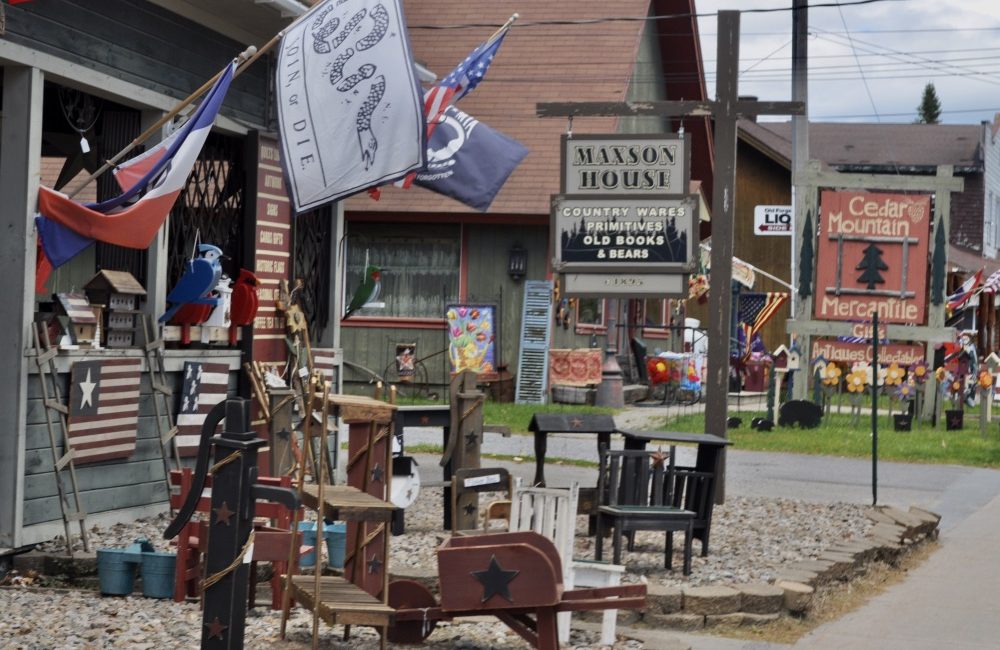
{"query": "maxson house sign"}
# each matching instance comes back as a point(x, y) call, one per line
point(629, 164)
point(872, 256)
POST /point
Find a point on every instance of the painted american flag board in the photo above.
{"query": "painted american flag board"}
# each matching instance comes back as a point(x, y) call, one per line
point(204, 386)
point(103, 409)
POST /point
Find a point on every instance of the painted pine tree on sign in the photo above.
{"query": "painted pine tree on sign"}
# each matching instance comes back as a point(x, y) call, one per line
point(871, 264)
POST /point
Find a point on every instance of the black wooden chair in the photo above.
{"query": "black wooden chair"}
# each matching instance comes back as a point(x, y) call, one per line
point(633, 487)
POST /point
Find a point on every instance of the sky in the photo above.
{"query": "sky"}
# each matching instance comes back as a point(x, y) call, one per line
point(869, 62)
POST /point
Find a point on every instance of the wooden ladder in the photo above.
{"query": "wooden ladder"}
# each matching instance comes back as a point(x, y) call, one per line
point(162, 397)
point(48, 379)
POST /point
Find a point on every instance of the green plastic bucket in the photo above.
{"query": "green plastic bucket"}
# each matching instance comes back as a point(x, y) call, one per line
point(116, 569)
point(158, 574)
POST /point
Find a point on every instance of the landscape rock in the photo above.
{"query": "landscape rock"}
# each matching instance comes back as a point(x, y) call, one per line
point(678, 621)
point(662, 599)
point(711, 600)
point(798, 596)
point(761, 599)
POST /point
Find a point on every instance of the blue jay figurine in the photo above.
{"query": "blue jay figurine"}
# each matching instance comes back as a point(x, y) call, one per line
point(197, 282)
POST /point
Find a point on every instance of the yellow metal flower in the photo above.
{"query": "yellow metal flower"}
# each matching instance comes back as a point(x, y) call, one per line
point(856, 381)
point(940, 374)
point(894, 375)
point(831, 374)
point(985, 379)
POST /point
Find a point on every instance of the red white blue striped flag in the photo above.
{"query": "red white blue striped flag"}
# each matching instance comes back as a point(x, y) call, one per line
point(204, 386)
point(103, 409)
point(966, 291)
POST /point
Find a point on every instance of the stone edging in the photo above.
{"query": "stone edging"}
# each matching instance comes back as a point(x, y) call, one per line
point(691, 608)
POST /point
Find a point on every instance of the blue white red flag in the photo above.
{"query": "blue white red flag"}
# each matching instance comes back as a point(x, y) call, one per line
point(469, 161)
point(152, 181)
point(966, 291)
point(349, 103)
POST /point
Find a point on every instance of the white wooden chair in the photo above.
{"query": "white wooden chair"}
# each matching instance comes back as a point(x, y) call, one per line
point(551, 512)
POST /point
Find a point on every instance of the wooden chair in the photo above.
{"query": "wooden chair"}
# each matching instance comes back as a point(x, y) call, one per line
point(551, 512)
point(631, 485)
point(271, 544)
point(466, 481)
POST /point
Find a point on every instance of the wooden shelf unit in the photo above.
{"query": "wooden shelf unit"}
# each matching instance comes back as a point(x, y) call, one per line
point(361, 596)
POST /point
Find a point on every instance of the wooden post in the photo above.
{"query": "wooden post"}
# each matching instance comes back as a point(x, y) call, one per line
point(464, 445)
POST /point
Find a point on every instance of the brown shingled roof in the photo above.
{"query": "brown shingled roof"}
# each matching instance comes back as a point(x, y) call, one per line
point(847, 144)
point(597, 59)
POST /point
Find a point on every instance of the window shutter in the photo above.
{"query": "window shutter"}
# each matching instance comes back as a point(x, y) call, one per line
point(532, 363)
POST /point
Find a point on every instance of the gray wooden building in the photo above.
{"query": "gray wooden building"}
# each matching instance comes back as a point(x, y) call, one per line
point(105, 70)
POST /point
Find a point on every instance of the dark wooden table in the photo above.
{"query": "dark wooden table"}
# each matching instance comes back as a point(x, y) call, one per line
point(710, 448)
point(426, 415)
point(542, 424)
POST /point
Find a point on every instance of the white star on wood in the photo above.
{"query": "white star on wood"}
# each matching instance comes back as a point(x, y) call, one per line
point(87, 389)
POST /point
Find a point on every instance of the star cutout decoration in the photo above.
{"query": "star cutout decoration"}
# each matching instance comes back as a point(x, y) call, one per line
point(215, 628)
point(374, 564)
point(954, 420)
point(223, 514)
point(659, 458)
point(87, 391)
point(495, 581)
point(576, 423)
point(471, 438)
point(470, 509)
point(377, 473)
point(284, 434)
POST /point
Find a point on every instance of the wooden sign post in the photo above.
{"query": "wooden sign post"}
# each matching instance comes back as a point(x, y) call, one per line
point(725, 111)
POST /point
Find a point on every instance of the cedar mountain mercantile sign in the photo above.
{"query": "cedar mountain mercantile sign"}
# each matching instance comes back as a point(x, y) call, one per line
point(872, 256)
point(624, 233)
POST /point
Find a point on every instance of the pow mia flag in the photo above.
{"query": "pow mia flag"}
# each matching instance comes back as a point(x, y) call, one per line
point(350, 108)
point(468, 160)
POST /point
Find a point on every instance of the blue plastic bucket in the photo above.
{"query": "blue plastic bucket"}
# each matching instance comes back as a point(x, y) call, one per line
point(158, 574)
point(308, 530)
point(335, 535)
point(116, 569)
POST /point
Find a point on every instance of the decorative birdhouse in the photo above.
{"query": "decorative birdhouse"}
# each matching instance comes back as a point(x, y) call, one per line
point(82, 325)
point(794, 362)
point(992, 362)
point(780, 358)
point(120, 293)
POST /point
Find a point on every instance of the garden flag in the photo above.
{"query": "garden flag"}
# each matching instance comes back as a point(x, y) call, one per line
point(349, 103)
point(103, 409)
point(755, 309)
point(151, 183)
point(966, 291)
point(204, 386)
point(468, 160)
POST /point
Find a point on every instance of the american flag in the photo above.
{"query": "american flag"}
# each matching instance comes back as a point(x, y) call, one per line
point(992, 284)
point(325, 361)
point(755, 309)
point(966, 291)
point(459, 83)
point(204, 386)
point(103, 409)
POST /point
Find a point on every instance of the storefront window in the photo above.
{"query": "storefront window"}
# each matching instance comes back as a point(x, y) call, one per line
point(418, 267)
point(590, 314)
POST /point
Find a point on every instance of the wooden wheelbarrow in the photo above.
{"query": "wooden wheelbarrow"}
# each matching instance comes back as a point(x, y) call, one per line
point(516, 577)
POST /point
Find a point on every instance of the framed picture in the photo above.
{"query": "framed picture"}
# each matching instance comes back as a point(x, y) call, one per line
point(472, 339)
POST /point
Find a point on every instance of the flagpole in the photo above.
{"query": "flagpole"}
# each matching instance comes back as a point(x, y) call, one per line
point(503, 28)
point(244, 60)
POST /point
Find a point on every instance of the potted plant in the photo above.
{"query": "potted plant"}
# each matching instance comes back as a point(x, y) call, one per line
point(903, 394)
point(954, 387)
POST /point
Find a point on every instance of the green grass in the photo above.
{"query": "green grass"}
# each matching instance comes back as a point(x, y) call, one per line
point(837, 436)
point(518, 416)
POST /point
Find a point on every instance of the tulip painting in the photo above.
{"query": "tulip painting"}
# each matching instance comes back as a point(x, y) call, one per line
point(472, 339)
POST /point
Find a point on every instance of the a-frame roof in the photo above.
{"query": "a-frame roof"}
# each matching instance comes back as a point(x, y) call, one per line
point(574, 61)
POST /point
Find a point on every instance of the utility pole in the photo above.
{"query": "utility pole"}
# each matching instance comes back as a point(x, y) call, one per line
point(725, 110)
point(800, 155)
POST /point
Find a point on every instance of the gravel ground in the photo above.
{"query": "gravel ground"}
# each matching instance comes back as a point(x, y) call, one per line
point(751, 538)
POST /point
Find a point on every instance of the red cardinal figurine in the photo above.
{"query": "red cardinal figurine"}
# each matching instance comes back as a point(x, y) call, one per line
point(243, 309)
point(188, 315)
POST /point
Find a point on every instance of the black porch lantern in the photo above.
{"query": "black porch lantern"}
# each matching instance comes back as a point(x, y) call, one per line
point(517, 263)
